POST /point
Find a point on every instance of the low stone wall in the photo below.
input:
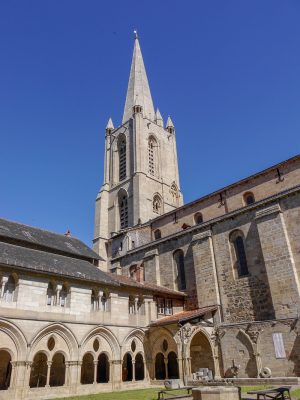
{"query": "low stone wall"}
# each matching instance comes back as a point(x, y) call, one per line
point(216, 393)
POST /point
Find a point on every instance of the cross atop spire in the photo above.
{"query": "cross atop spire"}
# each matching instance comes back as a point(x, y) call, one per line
point(138, 85)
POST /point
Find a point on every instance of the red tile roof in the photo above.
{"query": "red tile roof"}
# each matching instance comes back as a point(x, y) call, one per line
point(125, 281)
point(184, 316)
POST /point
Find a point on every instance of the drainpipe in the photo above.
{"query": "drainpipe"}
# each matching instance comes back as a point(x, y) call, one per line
point(182, 353)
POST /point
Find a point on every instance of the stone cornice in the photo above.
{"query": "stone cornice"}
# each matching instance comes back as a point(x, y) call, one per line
point(273, 209)
point(150, 253)
point(202, 235)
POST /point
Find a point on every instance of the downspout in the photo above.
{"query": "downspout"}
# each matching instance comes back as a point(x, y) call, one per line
point(182, 354)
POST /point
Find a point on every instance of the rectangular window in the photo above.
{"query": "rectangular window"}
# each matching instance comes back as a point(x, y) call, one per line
point(132, 306)
point(168, 307)
point(161, 306)
point(278, 345)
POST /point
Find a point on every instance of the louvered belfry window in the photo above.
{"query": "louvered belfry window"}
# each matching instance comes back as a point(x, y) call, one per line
point(151, 157)
point(122, 159)
point(124, 212)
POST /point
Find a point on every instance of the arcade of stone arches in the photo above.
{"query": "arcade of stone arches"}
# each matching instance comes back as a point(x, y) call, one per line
point(55, 358)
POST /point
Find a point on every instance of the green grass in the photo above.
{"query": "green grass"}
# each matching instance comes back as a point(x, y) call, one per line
point(151, 394)
point(246, 389)
point(139, 394)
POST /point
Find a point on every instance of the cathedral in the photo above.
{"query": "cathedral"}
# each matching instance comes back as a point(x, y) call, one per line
point(169, 289)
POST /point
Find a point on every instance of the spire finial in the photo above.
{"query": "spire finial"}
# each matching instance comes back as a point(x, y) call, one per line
point(135, 34)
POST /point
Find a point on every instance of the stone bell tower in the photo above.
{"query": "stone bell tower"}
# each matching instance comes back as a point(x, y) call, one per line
point(141, 179)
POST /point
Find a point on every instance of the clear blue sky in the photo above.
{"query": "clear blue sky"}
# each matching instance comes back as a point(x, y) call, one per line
point(228, 73)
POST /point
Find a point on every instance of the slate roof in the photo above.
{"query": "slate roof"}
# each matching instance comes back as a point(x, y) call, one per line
point(53, 264)
point(125, 281)
point(183, 316)
point(47, 239)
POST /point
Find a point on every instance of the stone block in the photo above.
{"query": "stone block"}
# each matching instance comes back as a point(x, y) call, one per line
point(216, 393)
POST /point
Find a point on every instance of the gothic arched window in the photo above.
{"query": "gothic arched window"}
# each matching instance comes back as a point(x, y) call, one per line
point(122, 158)
point(174, 193)
point(179, 269)
point(152, 156)
point(157, 204)
point(239, 253)
point(123, 205)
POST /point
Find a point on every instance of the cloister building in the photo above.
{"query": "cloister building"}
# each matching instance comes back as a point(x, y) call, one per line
point(168, 288)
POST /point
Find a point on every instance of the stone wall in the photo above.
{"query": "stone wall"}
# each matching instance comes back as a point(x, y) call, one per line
point(251, 347)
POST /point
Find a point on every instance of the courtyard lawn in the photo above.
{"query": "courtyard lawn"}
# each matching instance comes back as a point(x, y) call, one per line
point(151, 394)
point(139, 394)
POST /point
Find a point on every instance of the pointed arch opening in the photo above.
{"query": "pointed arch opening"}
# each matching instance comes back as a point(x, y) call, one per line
point(58, 370)
point(174, 193)
point(201, 353)
point(238, 251)
point(152, 156)
point(103, 368)
point(38, 373)
point(157, 204)
point(173, 371)
point(5, 369)
point(127, 368)
point(122, 157)
point(139, 367)
point(123, 209)
point(87, 369)
point(160, 369)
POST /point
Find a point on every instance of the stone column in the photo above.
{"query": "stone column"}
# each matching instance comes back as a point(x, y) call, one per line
point(279, 261)
point(13, 374)
point(79, 365)
point(67, 374)
point(27, 373)
point(189, 366)
point(217, 367)
point(49, 363)
point(95, 372)
point(3, 282)
point(180, 362)
point(133, 371)
point(57, 299)
point(147, 368)
point(166, 367)
point(111, 371)
point(117, 374)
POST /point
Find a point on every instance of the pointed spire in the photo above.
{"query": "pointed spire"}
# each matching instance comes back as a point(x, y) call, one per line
point(110, 125)
point(169, 123)
point(158, 118)
point(138, 86)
